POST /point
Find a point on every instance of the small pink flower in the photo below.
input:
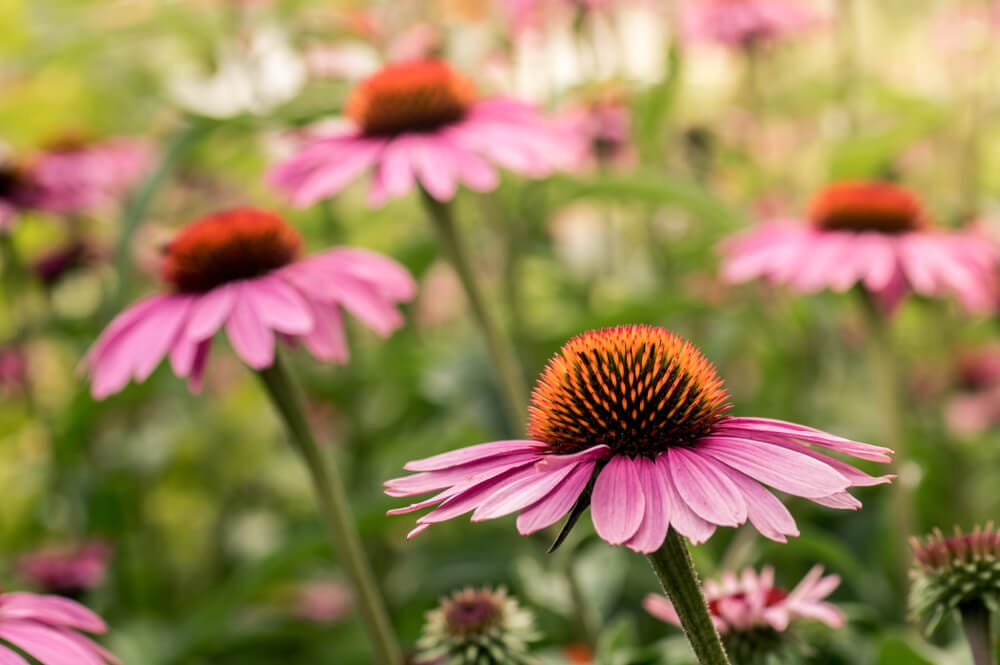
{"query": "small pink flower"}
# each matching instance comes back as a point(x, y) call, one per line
point(46, 628)
point(633, 420)
point(323, 601)
point(68, 571)
point(871, 234)
point(241, 270)
point(752, 600)
point(14, 377)
point(604, 125)
point(76, 176)
point(422, 122)
point(741, 23)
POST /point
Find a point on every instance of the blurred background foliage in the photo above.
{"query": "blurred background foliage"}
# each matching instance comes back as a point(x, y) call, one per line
point(210, 519)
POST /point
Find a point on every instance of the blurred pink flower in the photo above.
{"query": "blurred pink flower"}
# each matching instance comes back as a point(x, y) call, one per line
point(751, 601)
point(638, 414)
point(240, 269)
point(76, 176)
point(976, 406)
point(45, 627)
point(326, 601)
point(872, 234)
point(13, 369)
point(421, 122)
point(52, 266)
point(66, 570)
point(742, 23)
point(604, 125)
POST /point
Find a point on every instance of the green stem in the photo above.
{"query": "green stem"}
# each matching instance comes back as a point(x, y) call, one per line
point(887, 379)
point(137, 207)
point(335, 511)
point(505, 363)
point(679, 579)
point(976, 626)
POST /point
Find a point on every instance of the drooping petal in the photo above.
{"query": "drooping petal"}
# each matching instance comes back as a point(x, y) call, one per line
point(210, 311)
point(472, 454)
point(682, 518)
point(765, 511)
point(279, 306)
point(8, 657)
point(656, 517)
point(617, 504)
point(550, 509)
point(50, 609)
point(46, 644)
point(705, 486)
point(251, 339)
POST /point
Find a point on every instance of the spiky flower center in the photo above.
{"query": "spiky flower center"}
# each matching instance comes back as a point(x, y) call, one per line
point(867, 206)
point(414, 96)
point(638, 389)
point(472, 612)
point(228, 246)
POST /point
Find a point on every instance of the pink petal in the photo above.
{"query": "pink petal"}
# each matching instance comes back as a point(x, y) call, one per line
point(8, 657)
point(550, 509)
point(521, 493)
point(705, 486)
point(46, 644)
point(49, 609)
point(617, 504)
point(279, 306)
point(327, 340)
point(682, 518)
point(661, 608)
point(251, 339)
point(656, 518)
point(765, 511)
point(435, 167)
point(474, 496)
point(210, 311)
point(474, 453)
point(743, 428)
point(429, 481)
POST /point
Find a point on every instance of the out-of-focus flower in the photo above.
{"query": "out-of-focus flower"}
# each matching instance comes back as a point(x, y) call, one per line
point(743, 23)
point(13, 369)
point(752, 613)
point(52, 266)
point(976, 406)
point(253, 75)
point(241, 269)
point(872, 234)
point(356, 60)
point(326, 601)
point(422, 122)
point(604, 124)
point(66, 570)
point(953, 573)
point(76, 176)
point(477, 627)
point(633, 420)
point(48, 628)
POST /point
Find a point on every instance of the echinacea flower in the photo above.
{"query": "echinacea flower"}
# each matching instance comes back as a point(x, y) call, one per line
point(975, 407)
point(66, 570)
point(48, 629)
point(477, 627)
point(76, 175)
point(241, 270)
point(632, 420)
point(871, 234)
point(955, 573)
point(744, 23)
point(422, 122)
point(752, 613)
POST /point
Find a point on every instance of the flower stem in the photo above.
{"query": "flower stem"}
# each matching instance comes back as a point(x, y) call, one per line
point(334, 509)
point(504, 360)
point(679, 579)
point(976, 626)
point(887, 384)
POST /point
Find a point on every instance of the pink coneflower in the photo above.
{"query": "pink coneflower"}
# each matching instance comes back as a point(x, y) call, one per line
point(604, 125)
point(46, 628)
point(632, 420)
point(752, 613)
point(77, 176)
point(66, 570)
point(976, 405)
point(871, 234)
point(753, 600)
point(242, 270)
point(744, 23)
point(422, 122)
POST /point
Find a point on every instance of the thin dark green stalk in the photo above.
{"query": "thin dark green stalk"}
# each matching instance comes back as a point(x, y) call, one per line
point(679, 579)
point(335, 511)
point(976, 620)
point(505, 363)
point(887, 379)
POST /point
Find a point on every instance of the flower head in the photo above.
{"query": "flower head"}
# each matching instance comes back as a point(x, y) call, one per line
point(753, 614)
point(477, 627)
point(48, 628)
point(743, 23)
point(422, 121)
point(952, 572)
point(632, 421)
point(241, 269)
point(66, 570)
point(871, 234)
point(75, 175)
